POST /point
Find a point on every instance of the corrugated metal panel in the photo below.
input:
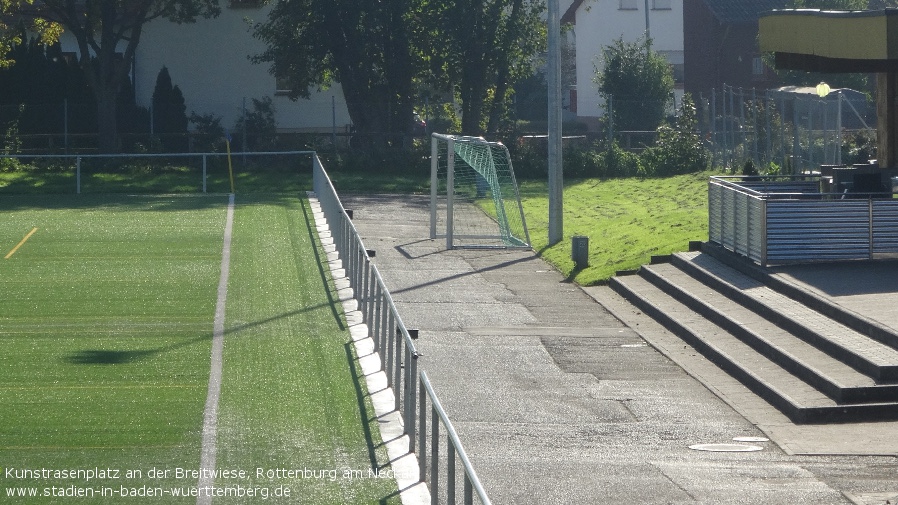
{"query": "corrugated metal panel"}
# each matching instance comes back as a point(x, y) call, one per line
point(756, 230)
point(817, 230)
point(775, 187)
point(740, 224)
point(885, 226)
point(736, 220)
point(728, 219)
point(714, 219)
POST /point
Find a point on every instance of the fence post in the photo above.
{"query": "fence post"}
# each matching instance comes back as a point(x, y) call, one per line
point(422, 433)
point(763, 232)
point(204, 173)
point(411, 367)
point(434, 456)
point(450, 473)
point(78, 175)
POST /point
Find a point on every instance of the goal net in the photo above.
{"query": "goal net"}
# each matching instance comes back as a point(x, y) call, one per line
point(474, 198)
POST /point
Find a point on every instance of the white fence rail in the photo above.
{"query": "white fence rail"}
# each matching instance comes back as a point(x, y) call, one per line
point(401, 358)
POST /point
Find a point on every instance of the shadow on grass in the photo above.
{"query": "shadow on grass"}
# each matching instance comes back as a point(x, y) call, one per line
point(116, 357)
point(121, 357)
point(320, 262)
point(367, 419)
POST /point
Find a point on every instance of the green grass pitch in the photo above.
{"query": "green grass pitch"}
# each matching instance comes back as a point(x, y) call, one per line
point(106, 314)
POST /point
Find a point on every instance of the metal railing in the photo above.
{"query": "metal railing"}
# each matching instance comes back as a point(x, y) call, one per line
point(392, 339)
point(788, 220)
point(204, 156)
point(454, 450)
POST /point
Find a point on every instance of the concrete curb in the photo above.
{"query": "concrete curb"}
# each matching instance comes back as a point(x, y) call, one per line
point(404, 464)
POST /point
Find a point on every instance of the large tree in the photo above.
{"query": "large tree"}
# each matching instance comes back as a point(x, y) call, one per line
point(382, 51)
point(478, 49)
point(637, 82)
point(364, 45)
point(14, 19)
point(107, 33)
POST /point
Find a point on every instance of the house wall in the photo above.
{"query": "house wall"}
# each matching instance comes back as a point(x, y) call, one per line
point(209, 62)
point(718, 54)
point(600, 22)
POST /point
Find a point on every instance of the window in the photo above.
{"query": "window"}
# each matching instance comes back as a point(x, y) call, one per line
point(628, 5)
point(282, 86)
point(676, 61)
point(758, 67)
point(660, 5)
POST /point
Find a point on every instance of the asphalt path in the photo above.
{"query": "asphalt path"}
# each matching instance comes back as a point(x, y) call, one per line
point(570, 396)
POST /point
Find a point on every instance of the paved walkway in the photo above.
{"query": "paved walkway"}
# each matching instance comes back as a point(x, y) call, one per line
point(558, 401)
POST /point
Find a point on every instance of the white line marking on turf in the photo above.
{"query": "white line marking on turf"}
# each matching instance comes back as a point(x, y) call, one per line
point(210, 414)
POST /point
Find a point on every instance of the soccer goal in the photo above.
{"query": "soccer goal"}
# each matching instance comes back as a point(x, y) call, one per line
point(474, 198)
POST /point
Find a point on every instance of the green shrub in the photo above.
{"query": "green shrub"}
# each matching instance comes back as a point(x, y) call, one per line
point(679, 148)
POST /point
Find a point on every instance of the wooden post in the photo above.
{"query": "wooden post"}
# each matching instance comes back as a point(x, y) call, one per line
point(887, 119)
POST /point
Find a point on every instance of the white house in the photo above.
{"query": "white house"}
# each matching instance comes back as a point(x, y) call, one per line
point(209, 61)
point(598, 23)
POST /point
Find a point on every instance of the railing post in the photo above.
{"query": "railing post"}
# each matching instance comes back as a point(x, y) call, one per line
point(374, 327)
point(763, 232)
point(422, 435)
point(434, 457)
point(366, 293)
point(410, 396)
point(450, 474)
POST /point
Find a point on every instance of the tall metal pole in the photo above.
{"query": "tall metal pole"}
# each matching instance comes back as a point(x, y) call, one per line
point(648, 33)
point(556, 179)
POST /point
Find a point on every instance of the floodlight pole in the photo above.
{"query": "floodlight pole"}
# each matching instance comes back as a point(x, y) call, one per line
point(556, 179)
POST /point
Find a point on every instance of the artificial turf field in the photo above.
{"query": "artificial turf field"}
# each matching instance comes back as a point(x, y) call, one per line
point(106, 321)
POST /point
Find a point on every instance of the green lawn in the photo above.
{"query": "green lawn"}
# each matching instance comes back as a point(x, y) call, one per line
point(106, 322)
point(627, 221)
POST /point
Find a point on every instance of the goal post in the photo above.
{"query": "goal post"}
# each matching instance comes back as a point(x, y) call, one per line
point(474, 197)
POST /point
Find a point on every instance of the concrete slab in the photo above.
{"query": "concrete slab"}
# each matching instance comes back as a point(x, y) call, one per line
point(557, 400)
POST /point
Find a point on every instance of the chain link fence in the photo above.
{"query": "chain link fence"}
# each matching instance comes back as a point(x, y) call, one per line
point(787, 130)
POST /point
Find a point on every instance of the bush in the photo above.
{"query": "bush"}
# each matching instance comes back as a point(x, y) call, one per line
point(679, 149)
point(259, 126)
point(208, 133)
point(621, 163)
point(859, 147)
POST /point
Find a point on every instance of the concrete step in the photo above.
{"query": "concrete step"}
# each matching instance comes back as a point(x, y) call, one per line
point(833, 377)
point(821, 304)
point(872, 357)
point(797, 399)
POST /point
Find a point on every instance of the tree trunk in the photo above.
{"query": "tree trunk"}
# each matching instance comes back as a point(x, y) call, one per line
point(107, 121)
point(511, 34)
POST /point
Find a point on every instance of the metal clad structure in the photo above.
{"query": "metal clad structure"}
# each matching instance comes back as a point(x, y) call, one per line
point(817, 230)
point(789, 221)
point(885, 226)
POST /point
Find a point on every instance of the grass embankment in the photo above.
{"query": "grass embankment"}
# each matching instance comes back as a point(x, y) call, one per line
point(627, 221)
point(106, 323)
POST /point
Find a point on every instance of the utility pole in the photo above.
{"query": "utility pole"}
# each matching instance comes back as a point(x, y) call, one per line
point(556, 179)
point(648, 34)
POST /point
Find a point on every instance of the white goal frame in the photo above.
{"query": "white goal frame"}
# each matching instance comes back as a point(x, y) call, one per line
point(451, 199)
